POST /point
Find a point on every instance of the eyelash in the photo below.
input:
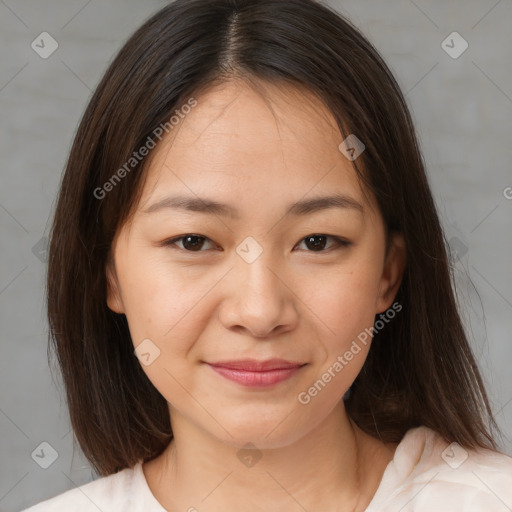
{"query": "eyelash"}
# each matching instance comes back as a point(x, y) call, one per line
point(171, 243)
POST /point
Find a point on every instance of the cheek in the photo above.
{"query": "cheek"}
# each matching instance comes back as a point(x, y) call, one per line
point(346, 305)
point(163, 319)
point(159, 303)
point(346, 301)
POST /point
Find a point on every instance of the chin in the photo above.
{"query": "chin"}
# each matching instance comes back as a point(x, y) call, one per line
point(264, 429)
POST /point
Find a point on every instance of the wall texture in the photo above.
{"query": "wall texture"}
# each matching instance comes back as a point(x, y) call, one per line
point(461, 100)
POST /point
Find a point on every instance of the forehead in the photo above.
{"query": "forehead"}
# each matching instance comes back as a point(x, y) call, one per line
point(239, 143)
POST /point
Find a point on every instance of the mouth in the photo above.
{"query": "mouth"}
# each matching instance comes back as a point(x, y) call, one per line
point(253, 373)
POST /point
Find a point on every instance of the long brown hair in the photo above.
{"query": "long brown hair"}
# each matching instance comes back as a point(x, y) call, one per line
point(420, 369)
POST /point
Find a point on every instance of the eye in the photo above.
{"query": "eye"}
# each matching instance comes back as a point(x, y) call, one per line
point(317, 242)
point(191, 242)
point(194, 243)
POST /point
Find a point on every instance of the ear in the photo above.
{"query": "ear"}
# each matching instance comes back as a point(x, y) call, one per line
point(114, 301)
point(392, 273)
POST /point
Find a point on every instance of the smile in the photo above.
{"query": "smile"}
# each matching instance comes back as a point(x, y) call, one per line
point(252, 373)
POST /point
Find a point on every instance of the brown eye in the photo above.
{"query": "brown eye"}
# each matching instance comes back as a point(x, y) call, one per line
point(190, 243)
point(318, 242)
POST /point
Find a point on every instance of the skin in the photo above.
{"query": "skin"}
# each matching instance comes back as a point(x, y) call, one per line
point(258, 153)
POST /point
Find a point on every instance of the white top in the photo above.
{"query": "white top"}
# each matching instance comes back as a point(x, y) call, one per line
point(426, 474)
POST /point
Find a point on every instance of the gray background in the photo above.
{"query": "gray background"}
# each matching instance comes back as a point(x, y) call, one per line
point(463, 112)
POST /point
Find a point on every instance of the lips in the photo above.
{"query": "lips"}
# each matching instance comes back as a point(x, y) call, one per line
point(252, 365)
point(257, 374)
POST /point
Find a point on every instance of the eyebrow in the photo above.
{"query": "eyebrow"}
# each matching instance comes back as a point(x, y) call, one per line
point(303, 207)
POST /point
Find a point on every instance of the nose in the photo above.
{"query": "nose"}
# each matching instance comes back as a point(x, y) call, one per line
point(259, 299)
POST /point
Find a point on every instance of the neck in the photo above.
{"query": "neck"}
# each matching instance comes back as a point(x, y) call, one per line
point(335, 463)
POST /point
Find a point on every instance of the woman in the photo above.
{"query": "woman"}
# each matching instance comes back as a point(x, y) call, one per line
point(248, 291)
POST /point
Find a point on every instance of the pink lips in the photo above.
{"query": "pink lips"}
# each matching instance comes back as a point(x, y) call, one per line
point(253, 373)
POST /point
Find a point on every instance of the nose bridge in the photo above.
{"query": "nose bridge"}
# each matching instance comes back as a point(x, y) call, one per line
point(254, 265)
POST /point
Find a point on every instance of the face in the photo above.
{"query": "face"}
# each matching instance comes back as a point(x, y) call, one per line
point(258, 278)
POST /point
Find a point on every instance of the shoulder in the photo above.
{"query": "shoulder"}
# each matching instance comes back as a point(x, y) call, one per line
point(124, 491)
point(429, 473)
